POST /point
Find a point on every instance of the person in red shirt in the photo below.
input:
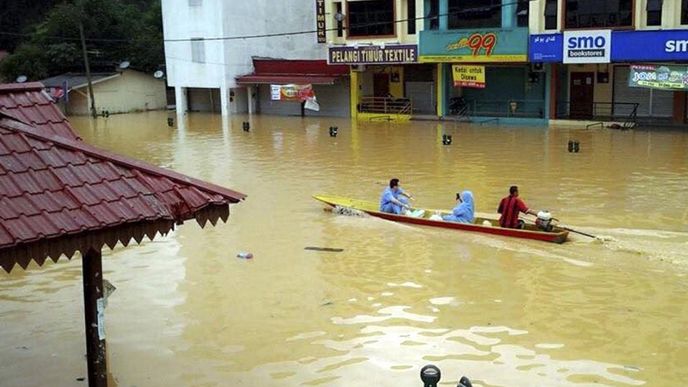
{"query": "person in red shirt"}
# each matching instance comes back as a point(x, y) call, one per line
point(510, 207)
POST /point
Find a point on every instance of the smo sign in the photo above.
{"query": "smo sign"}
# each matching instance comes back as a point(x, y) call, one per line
point(587, 46)
point(665, 45)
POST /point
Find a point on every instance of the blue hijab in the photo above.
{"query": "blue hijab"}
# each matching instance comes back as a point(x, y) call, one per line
point(464, 211)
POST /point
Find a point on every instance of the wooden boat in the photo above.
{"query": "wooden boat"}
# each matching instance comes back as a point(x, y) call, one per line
point(557, 235)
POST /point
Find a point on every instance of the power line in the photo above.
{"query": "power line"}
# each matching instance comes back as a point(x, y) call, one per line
point(280, 34)
point(55, 37)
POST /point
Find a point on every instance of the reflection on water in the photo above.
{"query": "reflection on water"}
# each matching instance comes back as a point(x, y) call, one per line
point(504, 312)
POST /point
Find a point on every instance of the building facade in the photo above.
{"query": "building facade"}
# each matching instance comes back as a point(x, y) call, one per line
point(480, 49)
point(378, 39)
point(616, 60)
point(210, 43)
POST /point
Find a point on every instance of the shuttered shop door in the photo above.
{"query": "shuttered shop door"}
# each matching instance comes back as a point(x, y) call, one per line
point(651, 103)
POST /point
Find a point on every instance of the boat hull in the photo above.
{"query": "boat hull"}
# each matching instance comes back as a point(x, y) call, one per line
point(556, 236)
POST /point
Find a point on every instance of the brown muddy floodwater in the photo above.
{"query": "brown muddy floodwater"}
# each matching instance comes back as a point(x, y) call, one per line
point(505, 312)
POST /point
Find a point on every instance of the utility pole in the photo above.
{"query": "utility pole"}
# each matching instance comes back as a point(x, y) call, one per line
point(88, 69)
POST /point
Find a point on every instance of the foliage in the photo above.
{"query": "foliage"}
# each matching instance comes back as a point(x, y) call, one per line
point(115, 30)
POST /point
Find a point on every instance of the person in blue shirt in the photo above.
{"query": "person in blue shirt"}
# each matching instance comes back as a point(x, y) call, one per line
point(394, 200)
point(464, 212)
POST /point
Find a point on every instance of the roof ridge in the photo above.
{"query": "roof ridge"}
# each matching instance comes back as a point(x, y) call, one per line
point(21, 86)
point(93, 151)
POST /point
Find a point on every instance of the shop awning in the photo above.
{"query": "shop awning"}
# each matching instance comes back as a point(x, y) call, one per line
point(282, 72)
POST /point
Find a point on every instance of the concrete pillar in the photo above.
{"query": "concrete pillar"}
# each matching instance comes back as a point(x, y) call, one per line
point(180, 97)
point(224, 101)
point(444, 18)
point(354, 93)
point(249, 93)
point(508, 14)
point(439, 85)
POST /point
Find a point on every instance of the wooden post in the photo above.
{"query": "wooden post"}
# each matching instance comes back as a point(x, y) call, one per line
point(94, 318)
point(88, 70)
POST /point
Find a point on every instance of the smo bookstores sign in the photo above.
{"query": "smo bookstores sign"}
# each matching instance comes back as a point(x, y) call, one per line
point(587, 46)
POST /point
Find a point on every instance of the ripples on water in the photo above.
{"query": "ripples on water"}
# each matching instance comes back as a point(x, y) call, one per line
point(503, 312)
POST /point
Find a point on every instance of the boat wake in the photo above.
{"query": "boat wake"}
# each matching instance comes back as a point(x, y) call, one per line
point(348, 211)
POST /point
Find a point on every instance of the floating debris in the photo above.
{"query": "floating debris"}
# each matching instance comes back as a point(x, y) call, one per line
point(245, 255)
point(333, 249)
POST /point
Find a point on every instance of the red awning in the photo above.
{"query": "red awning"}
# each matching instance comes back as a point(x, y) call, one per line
point(300, 72)
point(283, 79)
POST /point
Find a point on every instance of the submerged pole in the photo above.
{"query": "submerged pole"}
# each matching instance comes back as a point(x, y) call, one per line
point(94, 317)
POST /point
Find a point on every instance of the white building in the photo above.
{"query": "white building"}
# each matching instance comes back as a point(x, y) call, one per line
point(204, 56)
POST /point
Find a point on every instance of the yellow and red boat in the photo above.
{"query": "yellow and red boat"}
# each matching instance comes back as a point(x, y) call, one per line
point(483, 225)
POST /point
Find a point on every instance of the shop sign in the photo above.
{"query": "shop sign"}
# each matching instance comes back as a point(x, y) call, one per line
point(485, 45)
point(321, 29)
point(587, 46)
point(469, 76)
point(666, 45)
point(658, 77)
point(292, 92)
point(404, 53)
point(546, 48)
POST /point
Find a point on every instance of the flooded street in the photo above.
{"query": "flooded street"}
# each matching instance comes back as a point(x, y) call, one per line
point(503, 311)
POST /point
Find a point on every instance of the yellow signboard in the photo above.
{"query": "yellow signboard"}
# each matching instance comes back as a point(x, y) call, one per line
point(469, 76)
point(473, 59)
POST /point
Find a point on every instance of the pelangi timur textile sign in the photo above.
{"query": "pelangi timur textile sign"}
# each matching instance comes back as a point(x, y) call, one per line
point(469, 76)
point(658, 77)
point(292, 92)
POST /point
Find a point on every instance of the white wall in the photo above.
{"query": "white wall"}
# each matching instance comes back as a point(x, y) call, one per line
point(227, 59)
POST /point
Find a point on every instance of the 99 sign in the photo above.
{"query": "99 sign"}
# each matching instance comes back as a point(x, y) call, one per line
point(478, 41)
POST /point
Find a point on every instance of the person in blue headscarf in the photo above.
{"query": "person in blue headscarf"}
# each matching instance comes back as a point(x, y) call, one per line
point(464, 210)
point(393, 200)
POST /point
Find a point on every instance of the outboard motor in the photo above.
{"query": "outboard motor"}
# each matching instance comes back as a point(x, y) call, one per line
point(544, 221)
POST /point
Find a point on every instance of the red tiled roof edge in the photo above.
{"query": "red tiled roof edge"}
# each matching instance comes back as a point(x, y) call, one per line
point(21, 86)
point(233, 196)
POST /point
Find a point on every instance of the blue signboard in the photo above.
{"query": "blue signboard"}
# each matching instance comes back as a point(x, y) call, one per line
point(665, 45)
point(626, 46)
point(546, 48)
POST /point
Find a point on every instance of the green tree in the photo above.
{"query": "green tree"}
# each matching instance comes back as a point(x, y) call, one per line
point(115, 31)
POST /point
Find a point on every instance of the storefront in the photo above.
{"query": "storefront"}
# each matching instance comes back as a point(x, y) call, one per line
point(386, 80)
point(594, 78)
point(329, 85)
point(509, 87)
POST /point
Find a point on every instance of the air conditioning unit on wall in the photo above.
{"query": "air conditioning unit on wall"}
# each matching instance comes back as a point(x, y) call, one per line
point(537, 67)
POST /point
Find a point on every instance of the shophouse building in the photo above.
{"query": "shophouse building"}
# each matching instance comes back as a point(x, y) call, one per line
point(226, 56)
point(479, 49)
point(613, 60)
point(378, 39)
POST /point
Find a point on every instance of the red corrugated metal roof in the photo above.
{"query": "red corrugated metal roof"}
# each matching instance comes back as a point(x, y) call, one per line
point(28, 103)
point(54, 188)
point(284, 80)
point(283, 71)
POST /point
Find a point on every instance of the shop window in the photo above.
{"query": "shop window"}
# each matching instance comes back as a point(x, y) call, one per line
point(684, 11)
point(411, 16)
point(599, 13)
point(339, 18)
point(371, 18)
point(475, 14)
point(522, 13)
point(654, 12)
point(197, 50)
point(433, 15)
point(551, 15)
